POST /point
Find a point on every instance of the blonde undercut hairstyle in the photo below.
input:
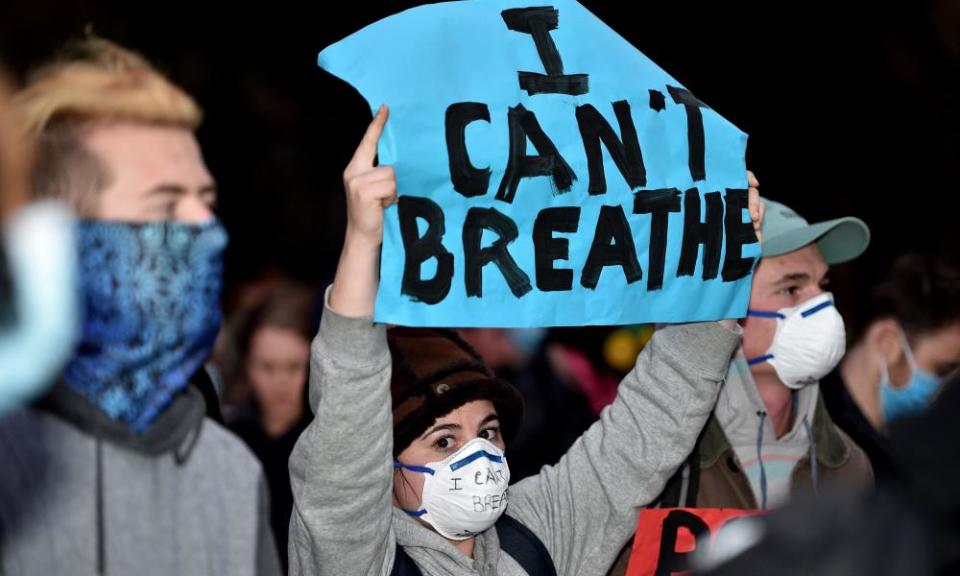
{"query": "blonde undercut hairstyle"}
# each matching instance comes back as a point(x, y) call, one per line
point(92, 81)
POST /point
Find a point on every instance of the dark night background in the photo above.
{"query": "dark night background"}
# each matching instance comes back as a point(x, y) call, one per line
point(853, 108)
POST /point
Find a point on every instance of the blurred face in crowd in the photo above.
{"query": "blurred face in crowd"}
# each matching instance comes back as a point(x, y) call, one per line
point(936, 352)
point(495, 345)
point(939, 351)
point(780, 282)
point(151, 173)
point(277, 365)
point(476, 419)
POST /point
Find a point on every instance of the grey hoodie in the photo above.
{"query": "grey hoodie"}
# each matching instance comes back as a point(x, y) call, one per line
point(82, 495)
point(743, 417)
point(583, 509)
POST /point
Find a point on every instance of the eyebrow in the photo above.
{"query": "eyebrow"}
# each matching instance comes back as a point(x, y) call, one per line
point(439, 428)
point(178, 190)
point(789, 278)
point(490, 418)
point(163, 189)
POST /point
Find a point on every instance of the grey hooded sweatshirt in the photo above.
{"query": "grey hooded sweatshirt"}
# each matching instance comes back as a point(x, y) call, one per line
point(583, 509)
point(81, 495)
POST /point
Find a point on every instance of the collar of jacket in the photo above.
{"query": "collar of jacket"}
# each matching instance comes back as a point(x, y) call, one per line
point(176, 430)
point(832, 452)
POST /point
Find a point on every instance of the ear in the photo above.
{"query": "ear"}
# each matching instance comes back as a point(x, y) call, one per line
point(402, 488)
point(883, 336)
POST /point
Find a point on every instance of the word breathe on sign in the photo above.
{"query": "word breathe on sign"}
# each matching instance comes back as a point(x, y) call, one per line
point(589, 193)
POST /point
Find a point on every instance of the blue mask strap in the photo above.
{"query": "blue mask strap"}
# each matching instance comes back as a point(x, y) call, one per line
point(768, 315)
point(421, 469)
point(475, 456)
point(817, 308)
point(760, 360)
point(763, 314)
point(397, 465)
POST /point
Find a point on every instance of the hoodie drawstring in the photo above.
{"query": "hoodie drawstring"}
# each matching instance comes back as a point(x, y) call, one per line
point(763, 470)
point(101, 560)
point(814, 471)
point(813, 454)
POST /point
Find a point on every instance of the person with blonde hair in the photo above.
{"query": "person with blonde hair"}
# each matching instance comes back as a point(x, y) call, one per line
point(117, 470)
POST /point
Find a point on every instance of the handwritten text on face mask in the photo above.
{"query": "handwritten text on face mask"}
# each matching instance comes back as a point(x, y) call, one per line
point(480, 478)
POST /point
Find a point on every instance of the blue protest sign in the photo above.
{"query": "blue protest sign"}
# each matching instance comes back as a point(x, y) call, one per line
point(549, 173)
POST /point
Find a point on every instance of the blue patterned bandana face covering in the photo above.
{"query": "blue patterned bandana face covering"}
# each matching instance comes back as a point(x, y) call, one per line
point(151, 311)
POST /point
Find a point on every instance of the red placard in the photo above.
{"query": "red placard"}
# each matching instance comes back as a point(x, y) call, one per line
point(666, 537)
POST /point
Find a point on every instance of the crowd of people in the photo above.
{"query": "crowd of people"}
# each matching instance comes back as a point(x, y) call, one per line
point(142, 433)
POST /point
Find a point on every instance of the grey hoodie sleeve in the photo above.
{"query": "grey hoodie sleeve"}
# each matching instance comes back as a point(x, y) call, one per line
point(341, 470)
point(585, 508)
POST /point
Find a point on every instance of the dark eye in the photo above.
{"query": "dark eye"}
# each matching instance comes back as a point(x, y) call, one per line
point(789, 291)
point(444, 443)
point(490, 434)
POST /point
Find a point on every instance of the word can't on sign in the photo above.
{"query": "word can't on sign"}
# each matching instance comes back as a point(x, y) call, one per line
point(613, 243)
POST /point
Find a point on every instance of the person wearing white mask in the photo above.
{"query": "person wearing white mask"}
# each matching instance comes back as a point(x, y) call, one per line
point(404, 469)
point(769, 434)
point(770, 410)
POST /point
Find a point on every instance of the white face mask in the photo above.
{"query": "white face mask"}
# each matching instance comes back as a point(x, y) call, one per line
point(809, 342)
point(466, 492)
